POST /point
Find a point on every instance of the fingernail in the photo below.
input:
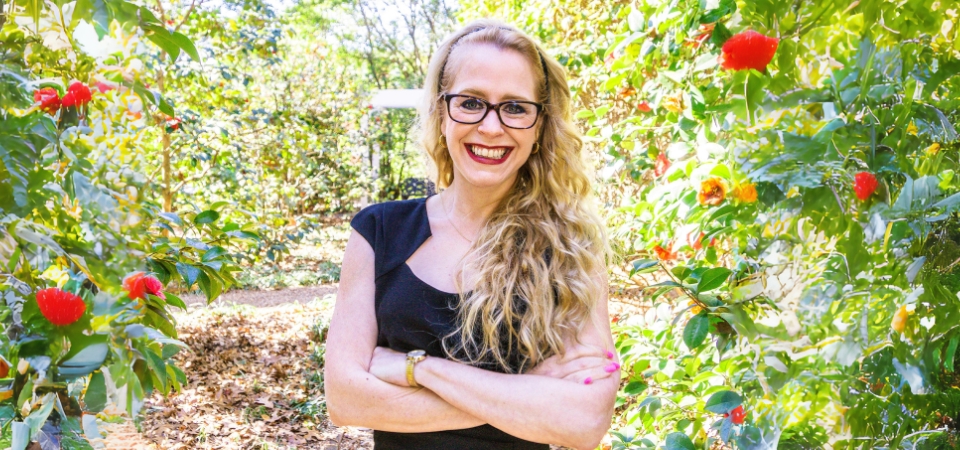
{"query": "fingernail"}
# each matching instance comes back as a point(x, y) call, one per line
point(588, 380)
point(612, 367)
point(609, 354)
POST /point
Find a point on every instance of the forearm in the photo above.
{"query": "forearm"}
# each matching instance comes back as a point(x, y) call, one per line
point(360, 399)
point(532, 407)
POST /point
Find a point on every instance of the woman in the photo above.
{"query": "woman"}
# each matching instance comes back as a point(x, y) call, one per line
point(499, 279)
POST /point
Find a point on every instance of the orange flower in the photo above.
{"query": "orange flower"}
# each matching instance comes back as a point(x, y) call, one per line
point(712, 192)
point(899, 321)
point(746, 193)
point(673, 103)
point(695, 307)
point(665, 254)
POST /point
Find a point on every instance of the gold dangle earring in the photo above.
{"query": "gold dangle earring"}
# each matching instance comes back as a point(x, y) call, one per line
point(443, 142)
point(536, 148)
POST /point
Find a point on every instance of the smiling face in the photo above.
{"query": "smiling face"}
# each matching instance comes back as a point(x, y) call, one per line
point(488, 155)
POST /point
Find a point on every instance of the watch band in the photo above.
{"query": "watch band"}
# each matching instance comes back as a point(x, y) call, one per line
point(413, 357)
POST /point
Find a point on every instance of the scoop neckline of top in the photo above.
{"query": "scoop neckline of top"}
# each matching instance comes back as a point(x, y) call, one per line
point(426, 220)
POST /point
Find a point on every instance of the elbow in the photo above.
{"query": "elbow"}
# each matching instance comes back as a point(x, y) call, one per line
point(337, 404)
point(592, 437)
point(335, 413)
point(596, 427)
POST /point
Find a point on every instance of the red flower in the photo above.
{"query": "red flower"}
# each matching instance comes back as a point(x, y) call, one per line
point(59, 307)
point(664, 254)
point(661, 165)
point(748, 50)
point(644, 107)
point(173, 124)
point(78, 94)
point(864, 185)
point(105, 87)
point(695, 240)
point(48, 98)
point(737, 415)
point(138, 284)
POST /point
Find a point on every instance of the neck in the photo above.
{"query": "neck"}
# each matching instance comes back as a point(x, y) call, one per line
point(474, 205)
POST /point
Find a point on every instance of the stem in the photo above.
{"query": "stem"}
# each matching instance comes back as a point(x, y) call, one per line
point(682, 289)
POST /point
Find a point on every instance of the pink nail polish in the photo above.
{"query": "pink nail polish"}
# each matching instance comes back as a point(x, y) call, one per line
point(612, 367)
point(588, 380)
point(609, 354)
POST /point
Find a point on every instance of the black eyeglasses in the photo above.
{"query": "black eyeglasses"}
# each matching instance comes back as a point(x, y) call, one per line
point(469, 110)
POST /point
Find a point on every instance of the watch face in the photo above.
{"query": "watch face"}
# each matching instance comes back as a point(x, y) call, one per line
point(416, 353)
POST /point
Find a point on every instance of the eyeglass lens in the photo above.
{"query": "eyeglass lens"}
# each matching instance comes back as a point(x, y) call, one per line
point(470, 110)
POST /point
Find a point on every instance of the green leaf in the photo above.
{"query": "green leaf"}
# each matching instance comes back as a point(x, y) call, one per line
point(95, 398)
point(679, 441)
point(186, 44)
point(948, 202)
point(723, 402)
point(210, 285)
point(170, 217)
point(208, 216)
point(696, 330)
point(85, 361)
point(94, 11)
point(36, 419)
point(154, 98)
point(644, 266)
point(714, 15)
point(212, 254)
point(950, 354)
point(175, 301)
point(713, 278)
point(189, 273)
point(825, 134)
point(164, 39)
point(720, 35)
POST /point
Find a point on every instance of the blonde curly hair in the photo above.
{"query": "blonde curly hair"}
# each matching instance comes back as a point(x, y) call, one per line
point(540, 256)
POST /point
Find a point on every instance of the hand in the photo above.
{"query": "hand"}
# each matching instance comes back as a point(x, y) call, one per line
point(389, 366)
point(581, 364)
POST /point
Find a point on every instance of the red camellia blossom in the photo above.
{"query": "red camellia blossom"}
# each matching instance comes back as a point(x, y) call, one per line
point(173, 124)
point(737, 415)
point(105, 87)
point(644, 107)
point(78, 94)
point(48, 98)
point(59, 307)
point(661, 165)
point(748, 50)
point(864, 185)
point(138, 284)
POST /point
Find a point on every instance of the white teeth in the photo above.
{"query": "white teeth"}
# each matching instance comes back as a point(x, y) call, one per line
point(487, 152)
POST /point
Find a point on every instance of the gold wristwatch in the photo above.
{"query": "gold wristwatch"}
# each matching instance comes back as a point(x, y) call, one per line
point(413, 357)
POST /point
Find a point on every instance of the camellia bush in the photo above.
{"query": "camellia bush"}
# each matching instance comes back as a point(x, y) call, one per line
point(784, 181)
point(86, 256)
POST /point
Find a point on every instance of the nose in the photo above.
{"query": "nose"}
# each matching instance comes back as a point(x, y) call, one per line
point(491, 125)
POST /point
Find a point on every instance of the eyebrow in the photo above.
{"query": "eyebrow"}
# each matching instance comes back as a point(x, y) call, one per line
point(507, 97)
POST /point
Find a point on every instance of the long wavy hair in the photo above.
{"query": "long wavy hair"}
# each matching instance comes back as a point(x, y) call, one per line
point(540, 256)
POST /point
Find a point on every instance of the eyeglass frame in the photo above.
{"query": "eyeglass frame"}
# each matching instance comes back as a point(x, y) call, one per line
point(491, 106)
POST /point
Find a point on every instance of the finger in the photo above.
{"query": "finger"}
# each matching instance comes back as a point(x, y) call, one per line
point(595, 373)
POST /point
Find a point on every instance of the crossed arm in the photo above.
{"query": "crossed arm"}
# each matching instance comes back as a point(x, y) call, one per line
point(365, 384)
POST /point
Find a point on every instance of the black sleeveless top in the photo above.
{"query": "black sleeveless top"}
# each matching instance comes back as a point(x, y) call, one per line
point(412, 314)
